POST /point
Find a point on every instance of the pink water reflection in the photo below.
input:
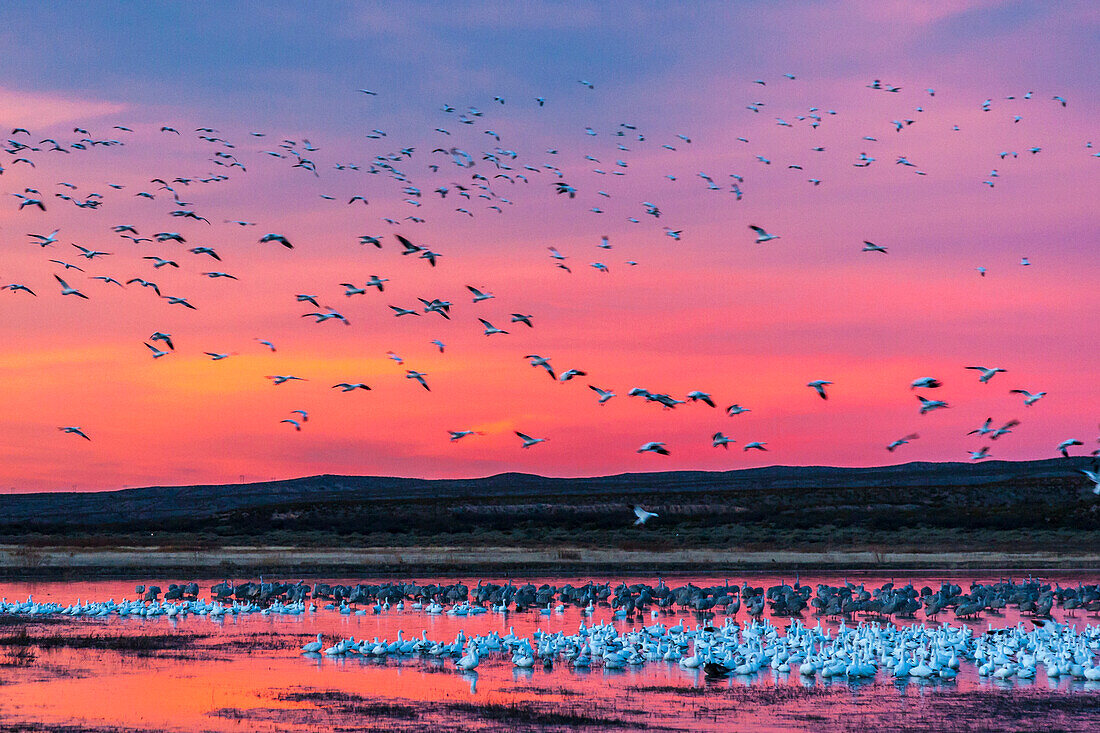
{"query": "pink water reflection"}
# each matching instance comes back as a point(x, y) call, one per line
point(234, 678)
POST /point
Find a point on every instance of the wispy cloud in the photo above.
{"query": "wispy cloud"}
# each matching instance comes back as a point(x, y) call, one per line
point(34, 110)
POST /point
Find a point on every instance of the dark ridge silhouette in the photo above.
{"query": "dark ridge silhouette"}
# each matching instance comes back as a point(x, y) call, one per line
point(166, 502)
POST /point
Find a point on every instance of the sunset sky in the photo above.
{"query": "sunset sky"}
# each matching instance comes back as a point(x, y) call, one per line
point(749, 323)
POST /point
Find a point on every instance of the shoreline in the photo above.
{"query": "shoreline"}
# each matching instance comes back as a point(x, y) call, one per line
point(70, 563)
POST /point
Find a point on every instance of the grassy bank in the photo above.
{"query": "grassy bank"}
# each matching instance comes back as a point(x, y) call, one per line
point(1041, 517)
point(291, 562)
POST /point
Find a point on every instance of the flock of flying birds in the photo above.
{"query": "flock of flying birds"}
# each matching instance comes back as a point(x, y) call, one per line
point(482, 190)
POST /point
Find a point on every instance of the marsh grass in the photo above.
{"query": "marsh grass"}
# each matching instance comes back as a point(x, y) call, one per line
point(8, 619)
point(751, 694)
point(138, 643)
point(12, 726)
point(258, 642)
point(516, 715)
point(350, 704)
point(937, 708)
point(510, 715)
point(546, 691)
point(18, 658)
point(1011, 709)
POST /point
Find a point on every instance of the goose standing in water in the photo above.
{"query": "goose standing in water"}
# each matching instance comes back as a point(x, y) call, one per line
point(523, 657)
point(470, 660)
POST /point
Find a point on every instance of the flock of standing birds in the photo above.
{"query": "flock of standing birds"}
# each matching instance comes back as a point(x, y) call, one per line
point(880, 643)
point(482, 191)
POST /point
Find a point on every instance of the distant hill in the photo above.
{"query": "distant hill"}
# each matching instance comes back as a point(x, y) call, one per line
point(196, 502)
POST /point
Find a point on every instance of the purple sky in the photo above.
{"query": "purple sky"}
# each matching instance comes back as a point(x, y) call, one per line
point(749, 323)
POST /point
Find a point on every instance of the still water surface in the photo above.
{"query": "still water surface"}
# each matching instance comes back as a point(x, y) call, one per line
point(245, 673)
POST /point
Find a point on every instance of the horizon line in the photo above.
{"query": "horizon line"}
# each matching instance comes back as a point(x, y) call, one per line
point(1073, 460)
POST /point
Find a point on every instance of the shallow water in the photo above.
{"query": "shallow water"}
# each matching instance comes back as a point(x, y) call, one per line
point(246, 673)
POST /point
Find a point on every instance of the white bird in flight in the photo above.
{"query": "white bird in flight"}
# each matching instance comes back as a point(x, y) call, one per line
point(66, 289)
point(539, 361)
point(987, 373)
point(642, 515)
point(490, 329)
point(985, 429)
point(761, 235)
point(418, 376)
point(478, 295)
point(348, 386)
point(818, 385)
point(604, 394)
point(1004, 429)
point(284, 378)
point(977, 455)
point(71, 430)
point(927, 405)
point(653, 447)
point(901, 441)
point(721, 440)
point(1093, 476)
point(165, 337)
point(528, 441)
point(697, 396)
point(1029, 398)
point(570, 373)
point(157, 353)
point(90, 254)
point(45, 240)
point(1065, 445)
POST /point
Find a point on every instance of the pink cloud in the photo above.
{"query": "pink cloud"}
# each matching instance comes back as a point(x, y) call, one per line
point(38, 109)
